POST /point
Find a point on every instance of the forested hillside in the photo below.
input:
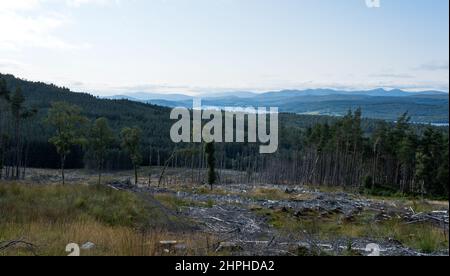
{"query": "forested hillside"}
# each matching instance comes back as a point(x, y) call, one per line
point(153, 120)
point(424, 107)
point(317, 150)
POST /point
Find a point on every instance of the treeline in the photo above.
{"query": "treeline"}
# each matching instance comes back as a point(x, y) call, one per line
point(13, 118)
point(350, 151)
point(154, 121)
point(71, 129)
point(394, 158)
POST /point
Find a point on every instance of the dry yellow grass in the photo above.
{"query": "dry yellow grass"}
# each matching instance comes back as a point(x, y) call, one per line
point(51, 240)
point(118, 223)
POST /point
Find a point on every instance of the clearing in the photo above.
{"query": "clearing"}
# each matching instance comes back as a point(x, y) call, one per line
point(181, 218)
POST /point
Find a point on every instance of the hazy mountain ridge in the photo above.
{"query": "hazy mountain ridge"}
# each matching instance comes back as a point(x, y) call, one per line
point(424, 106)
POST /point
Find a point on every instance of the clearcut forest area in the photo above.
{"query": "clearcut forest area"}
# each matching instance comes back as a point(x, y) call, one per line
point(104, 174)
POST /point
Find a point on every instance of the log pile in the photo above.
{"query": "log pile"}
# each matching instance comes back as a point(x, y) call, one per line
point(439, 218)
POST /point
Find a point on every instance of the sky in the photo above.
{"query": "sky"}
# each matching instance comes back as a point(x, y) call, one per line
point(108, 47)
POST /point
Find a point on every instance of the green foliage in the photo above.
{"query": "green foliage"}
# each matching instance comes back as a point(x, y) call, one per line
point(131, 142)
point(153, 120)
point(4, 99)
point(101, 136)
point(396, 159)
point(131, 139)
point(68, 122)
point(344, 149)
point(424, 237)
point(100, 139)
point(19, 112)
point(17, 99)
point(4, 92)
point(442, 171)
point(432, 163)
point(57, 204)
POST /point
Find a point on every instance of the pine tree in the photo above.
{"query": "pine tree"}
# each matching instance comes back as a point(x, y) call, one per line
point(131, 140)
point(430, 158)
point(101, 137)
point(211, 160)
point(442, 174)
point(68, 123)
point(17, 100)
point(4, 100)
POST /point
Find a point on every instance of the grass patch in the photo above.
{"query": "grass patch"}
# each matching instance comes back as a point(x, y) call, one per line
point(21, 203)
point(421, 206)
point(207, 191)
point(268, 194)
point(175, 203)
point(423, 237)
point(51, 239)
point(119, 223)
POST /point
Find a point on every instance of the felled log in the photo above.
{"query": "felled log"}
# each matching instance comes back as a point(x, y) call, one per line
point(9, 244)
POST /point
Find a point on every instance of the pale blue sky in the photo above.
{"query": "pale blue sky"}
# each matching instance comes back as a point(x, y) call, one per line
point(190, 46)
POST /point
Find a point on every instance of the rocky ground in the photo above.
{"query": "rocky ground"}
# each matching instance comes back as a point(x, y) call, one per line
point(271, 220)
point(267, 219)
point(243, 219)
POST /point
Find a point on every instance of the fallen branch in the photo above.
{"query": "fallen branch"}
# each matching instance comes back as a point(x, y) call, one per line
point(437, 217)
point(114, 188)
point(165, 167)
point(217, 219)
point(271, 241)
point(8, 244)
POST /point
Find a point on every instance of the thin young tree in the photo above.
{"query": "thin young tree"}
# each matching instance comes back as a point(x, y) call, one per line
point(28, 115)
point(211, 160)
point(101, 138)
point(4, 104)
point(131, 141)
point(17, 108)
point(69, 124)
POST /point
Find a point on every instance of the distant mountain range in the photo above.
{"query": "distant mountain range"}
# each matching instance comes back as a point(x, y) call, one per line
point(423, 107)
point(142, 96)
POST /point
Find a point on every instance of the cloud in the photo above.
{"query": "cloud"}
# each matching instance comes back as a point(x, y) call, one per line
point(153, 88)
point(32, 31)
point(8, 64)
point(78, 3)
point(391, 76)
point(21, 5)
point(16, 5)
point(33, 23)
point(434, 66)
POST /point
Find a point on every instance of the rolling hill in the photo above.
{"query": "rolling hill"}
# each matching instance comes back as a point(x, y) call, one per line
point(423, 107)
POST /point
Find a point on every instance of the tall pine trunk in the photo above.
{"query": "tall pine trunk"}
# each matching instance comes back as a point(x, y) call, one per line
point(99, 175)
point(100, 168)
point(63, 163)
point(135, 176)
